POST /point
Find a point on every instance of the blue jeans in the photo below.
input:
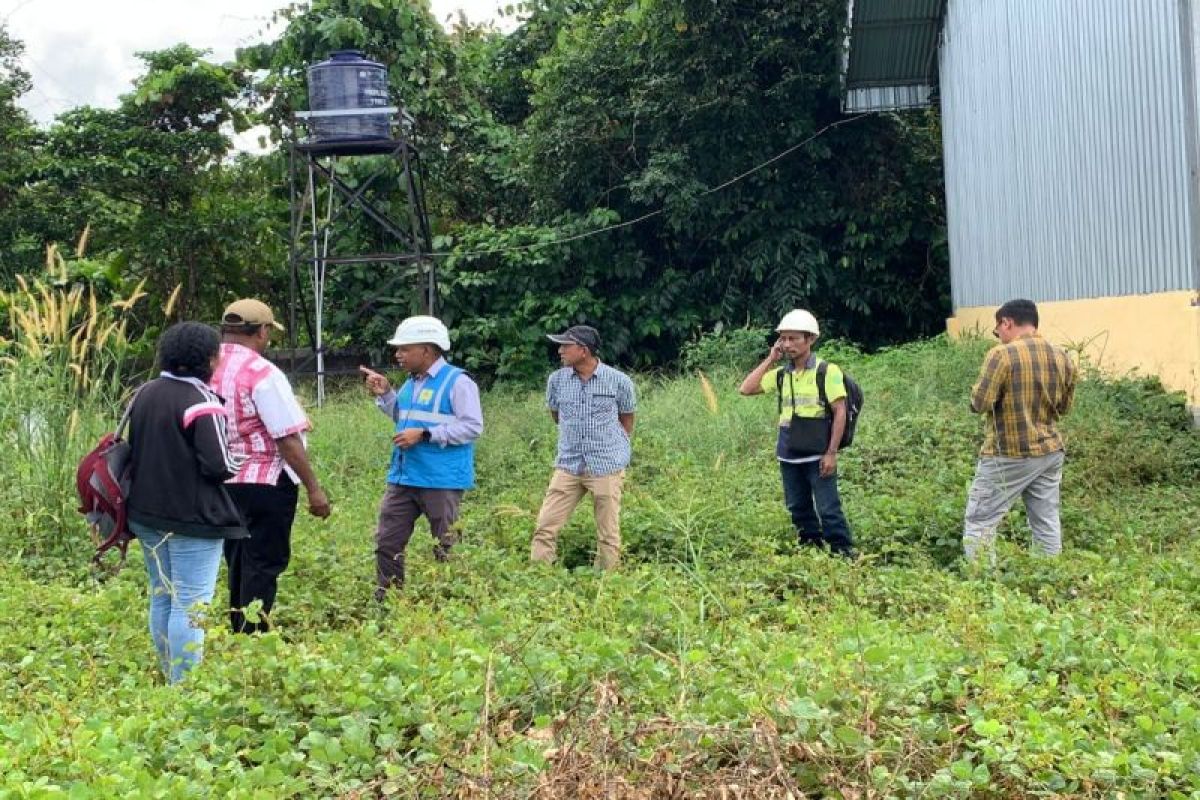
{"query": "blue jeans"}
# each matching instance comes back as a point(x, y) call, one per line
point(823, 523)
point(183, 574)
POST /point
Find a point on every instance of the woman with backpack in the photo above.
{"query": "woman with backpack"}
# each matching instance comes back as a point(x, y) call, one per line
point(178, 506)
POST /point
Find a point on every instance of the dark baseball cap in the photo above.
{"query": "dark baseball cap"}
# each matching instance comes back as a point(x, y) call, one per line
point(584, 335)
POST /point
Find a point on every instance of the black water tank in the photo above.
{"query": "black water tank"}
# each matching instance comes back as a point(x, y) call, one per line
point(339, 86)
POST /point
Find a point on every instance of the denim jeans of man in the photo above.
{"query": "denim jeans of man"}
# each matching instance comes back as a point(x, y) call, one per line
point(815, 506)
point(183, 575)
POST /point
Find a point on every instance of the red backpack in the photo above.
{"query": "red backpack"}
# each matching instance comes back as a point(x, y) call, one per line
point(102, 482)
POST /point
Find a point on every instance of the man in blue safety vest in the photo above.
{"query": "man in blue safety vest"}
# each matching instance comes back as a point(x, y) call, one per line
point(438, 417)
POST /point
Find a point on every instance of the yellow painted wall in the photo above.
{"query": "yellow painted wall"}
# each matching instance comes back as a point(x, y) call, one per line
point(1155, 334)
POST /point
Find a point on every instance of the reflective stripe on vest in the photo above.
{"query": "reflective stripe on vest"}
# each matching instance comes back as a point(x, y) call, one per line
point(426, 416)
point(408, 410)
point(792, 404)
point(428, 464)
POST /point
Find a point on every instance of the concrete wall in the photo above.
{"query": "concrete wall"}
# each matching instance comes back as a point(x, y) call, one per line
point(1154, 334)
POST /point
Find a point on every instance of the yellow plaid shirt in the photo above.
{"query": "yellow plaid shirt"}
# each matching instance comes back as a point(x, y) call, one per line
point(1023, 388)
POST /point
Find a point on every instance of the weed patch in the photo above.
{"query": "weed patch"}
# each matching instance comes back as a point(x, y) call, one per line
point(718, 662)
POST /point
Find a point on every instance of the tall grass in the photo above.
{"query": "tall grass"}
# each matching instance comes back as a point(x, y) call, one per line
point(63, 352)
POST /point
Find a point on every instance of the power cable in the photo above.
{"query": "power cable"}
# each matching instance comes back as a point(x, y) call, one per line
point(656, 212)
point(68, 95)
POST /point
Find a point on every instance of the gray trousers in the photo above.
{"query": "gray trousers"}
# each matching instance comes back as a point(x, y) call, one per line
point(998, 482)
point(398, 514)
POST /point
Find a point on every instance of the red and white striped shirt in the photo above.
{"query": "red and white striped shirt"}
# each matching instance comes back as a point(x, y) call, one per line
point(261, 408)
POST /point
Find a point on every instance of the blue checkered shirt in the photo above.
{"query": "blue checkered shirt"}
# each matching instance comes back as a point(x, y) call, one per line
point(591, 440)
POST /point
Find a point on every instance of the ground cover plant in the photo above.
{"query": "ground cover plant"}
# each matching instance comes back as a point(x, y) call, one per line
point(718, 662)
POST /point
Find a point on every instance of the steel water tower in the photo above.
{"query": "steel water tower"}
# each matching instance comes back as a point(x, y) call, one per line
point(350, 116)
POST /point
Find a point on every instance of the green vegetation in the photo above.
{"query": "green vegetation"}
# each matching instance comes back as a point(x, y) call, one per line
point(718, 659)
point(60, 364)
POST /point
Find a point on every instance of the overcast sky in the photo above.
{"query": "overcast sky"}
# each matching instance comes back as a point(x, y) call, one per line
point(81, 52)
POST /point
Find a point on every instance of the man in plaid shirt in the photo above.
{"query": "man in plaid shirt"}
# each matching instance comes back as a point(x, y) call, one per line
point(1025, 385)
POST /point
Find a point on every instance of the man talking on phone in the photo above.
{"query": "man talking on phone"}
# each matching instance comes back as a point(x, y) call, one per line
point(807, 463)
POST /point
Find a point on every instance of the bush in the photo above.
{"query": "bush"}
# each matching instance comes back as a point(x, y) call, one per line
point(736, 349)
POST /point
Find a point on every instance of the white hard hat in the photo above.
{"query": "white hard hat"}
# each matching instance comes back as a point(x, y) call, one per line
point(421, 330)
point(799, 320)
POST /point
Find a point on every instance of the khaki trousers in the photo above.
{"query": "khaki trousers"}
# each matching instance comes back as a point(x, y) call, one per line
point(563, 495)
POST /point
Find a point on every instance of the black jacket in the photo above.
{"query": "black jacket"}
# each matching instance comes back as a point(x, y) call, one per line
point(180, 459)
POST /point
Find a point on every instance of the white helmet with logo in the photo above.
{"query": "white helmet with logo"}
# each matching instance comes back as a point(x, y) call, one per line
point(421, 330)
point(799, 320)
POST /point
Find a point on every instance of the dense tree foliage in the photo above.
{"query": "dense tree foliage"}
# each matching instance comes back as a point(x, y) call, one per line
point(153, 181)
point(17, 140)
point(649, 107)
point(591, 114)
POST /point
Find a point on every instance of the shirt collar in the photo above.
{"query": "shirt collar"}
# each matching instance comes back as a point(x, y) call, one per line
point(183, 379)
point(809, 364)
point(238, 346)
point(595, 372)
point(433, 370)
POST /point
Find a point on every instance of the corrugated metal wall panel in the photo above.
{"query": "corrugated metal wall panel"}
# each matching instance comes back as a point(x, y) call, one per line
point(1190, 29)
point(896, 54)
point(885, 98)
point(892, 42)
point(1067, 169)
point(877, 12)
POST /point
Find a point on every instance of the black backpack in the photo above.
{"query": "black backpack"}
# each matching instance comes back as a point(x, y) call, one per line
point(854, 400)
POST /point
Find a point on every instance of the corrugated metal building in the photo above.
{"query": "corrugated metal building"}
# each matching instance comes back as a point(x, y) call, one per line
point(1071, 150)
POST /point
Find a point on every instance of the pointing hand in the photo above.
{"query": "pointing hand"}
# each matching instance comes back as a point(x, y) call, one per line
point(376, 384)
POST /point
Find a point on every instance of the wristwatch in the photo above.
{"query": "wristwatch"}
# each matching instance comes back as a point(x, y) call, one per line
point(426, 435)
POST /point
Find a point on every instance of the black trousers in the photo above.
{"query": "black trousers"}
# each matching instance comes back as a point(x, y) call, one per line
point(256, 563)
